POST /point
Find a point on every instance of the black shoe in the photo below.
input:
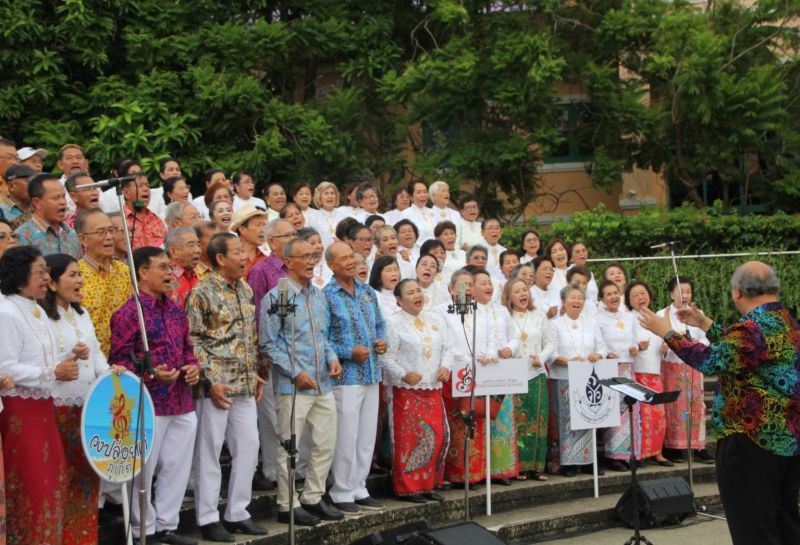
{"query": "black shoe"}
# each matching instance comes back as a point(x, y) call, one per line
point(588, 470)
point(301, 517)
point(672, 454)
point(703, 456)
point(433, 496)
point(215, 531)
point(323, 511)
point(414, 498)
point(348, 508)
point(617, 465)
point(664, 462)
point(445, 486)
point(370, 503)
point(246, 526)
point(262, 484)
point(150, 539)
point(171, 538)
point(502, 482)
point(568, 471)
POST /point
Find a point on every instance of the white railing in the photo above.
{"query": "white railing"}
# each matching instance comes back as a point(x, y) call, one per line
point(693, 256)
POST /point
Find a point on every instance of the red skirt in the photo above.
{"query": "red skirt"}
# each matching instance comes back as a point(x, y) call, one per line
point(454, 469)
point(420, 440)
point(83, 484)
point(690, 404)
point(2, 501)
point(36, 475)
point(654, 425)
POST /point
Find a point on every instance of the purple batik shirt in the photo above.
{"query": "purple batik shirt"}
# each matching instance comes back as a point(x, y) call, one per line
point(263, 277)
point(168, 334)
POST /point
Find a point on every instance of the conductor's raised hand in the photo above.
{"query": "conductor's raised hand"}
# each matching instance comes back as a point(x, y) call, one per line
point(693, 316)
point(658, 325)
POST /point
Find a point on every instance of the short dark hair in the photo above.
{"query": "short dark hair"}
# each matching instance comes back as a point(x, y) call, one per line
point(237, 178)
point(429, 245)
point(682, 279)
point(372, 219)
point(355, 228)
point(169, 186)
point(525, 235)
point(443, 226)
point(618, 266)
point(208, 174)
point(298, 186)
point(537, 262)
point(423, 256)
point(7, 142)
point(142, 257)
point(363, 187)
point(15, 268)
point(343, 227)
point(578, 269)
point(398, 289)
point(630, 287)
point(603, 285)
point(218, 245)
point(162, 164)
point(504, 254)
point(72, 180)
point(377, 268)
point(36, 184)
point(412, 183)
point(58, 264)
point(551, 245)
point(395, 194)
point(487, 220)
point(466, 198)
point(406, 221)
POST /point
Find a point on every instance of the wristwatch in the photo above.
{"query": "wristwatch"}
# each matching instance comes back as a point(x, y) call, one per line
point(671, 333)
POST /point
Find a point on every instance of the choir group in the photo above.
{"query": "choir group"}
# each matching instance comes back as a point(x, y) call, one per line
point(370, 345)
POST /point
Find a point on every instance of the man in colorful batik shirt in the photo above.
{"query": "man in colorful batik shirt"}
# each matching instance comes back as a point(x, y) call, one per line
point(756, 409)
point(175, 370)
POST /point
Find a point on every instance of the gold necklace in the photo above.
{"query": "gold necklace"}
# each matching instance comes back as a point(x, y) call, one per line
point(37, 315)
point(421, 329)
point(575, 325)
point(523, 334)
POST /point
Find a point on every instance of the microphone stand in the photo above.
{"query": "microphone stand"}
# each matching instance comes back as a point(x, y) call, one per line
point(145, 365)
point(463, 307)
point(290, 444)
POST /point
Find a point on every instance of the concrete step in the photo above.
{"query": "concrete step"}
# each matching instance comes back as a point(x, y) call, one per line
point(518, 510)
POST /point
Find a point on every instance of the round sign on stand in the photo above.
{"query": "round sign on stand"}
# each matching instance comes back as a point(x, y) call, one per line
point(110, 426)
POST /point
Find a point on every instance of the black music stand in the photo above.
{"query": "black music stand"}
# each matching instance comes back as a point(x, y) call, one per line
point(635, 392)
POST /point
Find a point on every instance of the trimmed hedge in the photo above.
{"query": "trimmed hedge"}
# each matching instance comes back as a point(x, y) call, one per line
point(611, 235)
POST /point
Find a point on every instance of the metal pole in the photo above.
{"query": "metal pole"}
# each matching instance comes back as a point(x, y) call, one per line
point(693, 256)
point(471, 416)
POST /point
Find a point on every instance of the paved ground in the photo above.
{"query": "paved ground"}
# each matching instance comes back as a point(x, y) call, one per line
point(698, 530)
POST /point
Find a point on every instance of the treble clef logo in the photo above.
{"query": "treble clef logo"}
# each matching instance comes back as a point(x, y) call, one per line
point(465, 379)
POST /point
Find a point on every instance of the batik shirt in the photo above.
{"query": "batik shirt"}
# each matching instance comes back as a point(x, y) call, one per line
point(181, 283)
point(222, 323)
point(147, 228)
point(355, 320)
point(265, 276)
point(46, 240)
point(13, 214)
point(758, 390)
point(104, 291)
point(170, 345)
point(305, 335)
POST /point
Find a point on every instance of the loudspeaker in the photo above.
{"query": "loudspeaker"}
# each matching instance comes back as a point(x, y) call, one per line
point(467, 533)
point(395, 536)
point(661, 502)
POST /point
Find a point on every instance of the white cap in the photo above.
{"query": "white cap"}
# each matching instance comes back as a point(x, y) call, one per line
point(23, 154)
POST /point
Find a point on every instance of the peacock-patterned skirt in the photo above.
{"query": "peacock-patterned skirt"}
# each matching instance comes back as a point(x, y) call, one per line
point(420, 433)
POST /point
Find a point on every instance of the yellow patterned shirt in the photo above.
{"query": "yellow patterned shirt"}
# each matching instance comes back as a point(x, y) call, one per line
point(222, 324)
point(104, 292)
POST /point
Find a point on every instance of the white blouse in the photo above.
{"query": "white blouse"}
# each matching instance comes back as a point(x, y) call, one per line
point(445, 214)
point(619, 332)
point(388, 303)
point(575, 338)
point(536, 338)
point(415, 343)
point(454, 259)
point(393, 216)
point(239, 202)
point(28, 352)
point(71, 329)
point(469, 233)
point(435, 295)
point(324, 223)
point(559, 279)
point(697, 334)
point(647, 361)
point(322, 274)
point(493, 265)
point(544, 300)
point(495, 330)
point(423, 219)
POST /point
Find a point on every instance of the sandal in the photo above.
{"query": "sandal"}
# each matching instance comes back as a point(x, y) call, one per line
point(521, 477)
point(536, 476)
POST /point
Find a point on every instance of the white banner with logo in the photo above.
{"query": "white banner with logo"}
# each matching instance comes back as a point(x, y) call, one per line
point(591, 405)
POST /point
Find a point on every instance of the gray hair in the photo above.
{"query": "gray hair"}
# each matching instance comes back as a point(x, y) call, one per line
point(756, 281)
point(569, 288)
point(329, 250)
point(437, 186)
point(175, 211)
point(458, 274)
point(382, 229)
point(71, 183)
point(288, 249)
point(272, 225)
point(477, 248)
point(83, 216)
point(175, 236)
point(306, 233)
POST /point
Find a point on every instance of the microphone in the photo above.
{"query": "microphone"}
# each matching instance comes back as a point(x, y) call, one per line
point(461, 298)
point(120, 179)
point(665, 244)
point(283, 297)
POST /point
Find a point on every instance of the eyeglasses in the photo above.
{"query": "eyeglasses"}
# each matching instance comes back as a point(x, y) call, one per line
point(42, 271)
point(104, 232)
point(471, 207)
point(364, 240)
point(6, 236)
point(292, 234)
point(308, 258)
point(162, 267)
point(8, 156)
